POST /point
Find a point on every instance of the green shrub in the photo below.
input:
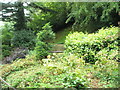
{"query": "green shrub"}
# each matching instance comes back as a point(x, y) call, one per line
point(88, 45)
point(23, 38)
point(46, 34)
point(7, 35)
point(41, 50)
point(42, 46)
point(74, 81)
point(6, 50)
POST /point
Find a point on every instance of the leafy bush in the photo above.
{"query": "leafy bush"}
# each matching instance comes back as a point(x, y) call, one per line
point(88, 45)
point(7, 35)
point(42, 46)
point(41, 50)
point(23, 38)
point(61, 70)
point(6, 50)
point(46, 34)
point(74, 81)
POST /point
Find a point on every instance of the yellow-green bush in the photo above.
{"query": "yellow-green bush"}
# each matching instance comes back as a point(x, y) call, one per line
point(88, 45)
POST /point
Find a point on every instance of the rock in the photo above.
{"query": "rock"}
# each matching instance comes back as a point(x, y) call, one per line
point(16, 54)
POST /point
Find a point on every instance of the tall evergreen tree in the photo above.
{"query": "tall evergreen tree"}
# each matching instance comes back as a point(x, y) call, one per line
point(14, 12)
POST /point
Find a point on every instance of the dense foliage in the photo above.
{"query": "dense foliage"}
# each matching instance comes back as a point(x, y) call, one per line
point(98, 13)
point(61, 71)
point(56, 17)
point(91, 46)
point(14, 11)
point(7, 35)
point(91, 57)
point(70, 70)
point(82, 14)
point(42, 47)
point(24, 38)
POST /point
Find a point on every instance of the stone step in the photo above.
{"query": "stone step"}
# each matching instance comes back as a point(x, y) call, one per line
point(58, 47)
point(56, 51)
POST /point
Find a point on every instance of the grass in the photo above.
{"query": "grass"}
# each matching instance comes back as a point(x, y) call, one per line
point(61, 35)
point(60, 39)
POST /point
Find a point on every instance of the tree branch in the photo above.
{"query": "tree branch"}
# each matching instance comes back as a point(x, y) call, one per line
point(42, 8)
point(7, 83)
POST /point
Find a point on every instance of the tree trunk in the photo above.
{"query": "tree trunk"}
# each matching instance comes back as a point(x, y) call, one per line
point(20, 20)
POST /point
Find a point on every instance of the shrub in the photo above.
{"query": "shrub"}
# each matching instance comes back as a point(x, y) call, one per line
point(23, 38)
point(42, 46)
point(7, 35)
point(74, 81)
point(46, 34)
point(41, 50)
point(87, 45)
point(6, 50)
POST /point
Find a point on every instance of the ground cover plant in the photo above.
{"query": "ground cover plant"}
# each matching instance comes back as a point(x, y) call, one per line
point(88, 62)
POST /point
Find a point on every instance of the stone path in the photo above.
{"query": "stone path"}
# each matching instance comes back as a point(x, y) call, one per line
point(58, 48)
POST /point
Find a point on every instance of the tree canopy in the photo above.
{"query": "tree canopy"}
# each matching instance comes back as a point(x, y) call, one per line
point(60, 13)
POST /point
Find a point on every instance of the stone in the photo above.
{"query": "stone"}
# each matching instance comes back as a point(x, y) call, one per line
point(16, 54)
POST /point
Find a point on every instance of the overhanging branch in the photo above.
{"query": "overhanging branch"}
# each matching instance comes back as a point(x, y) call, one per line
point(42, 8)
